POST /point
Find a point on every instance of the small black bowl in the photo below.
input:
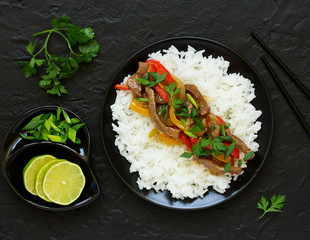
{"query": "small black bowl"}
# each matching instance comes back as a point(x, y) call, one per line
point(16, 152)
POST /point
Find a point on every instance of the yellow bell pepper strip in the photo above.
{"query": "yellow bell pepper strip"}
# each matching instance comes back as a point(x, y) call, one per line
point(222, 158)
point(176, 121)
point(169, 140)
point(153, 132)
point(139, 107)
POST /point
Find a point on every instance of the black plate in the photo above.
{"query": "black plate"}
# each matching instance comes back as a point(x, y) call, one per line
point(262, 102)
point(16, 152)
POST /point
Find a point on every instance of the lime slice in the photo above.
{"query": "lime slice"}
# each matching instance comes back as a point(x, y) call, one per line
point(31, 169)
point(39, 179)
point(63, 182)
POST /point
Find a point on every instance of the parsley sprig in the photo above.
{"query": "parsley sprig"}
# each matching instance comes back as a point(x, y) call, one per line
point(61, 67)
point(276, 204)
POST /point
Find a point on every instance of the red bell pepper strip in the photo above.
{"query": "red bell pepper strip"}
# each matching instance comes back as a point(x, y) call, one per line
point(121, 87)
point(193, 140)
point(160, 69)
point(185, 140)
point(221, 120)
point(162, 93)
point(152, 67)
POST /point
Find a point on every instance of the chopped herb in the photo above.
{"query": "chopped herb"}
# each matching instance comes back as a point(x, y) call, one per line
point(212, 128)
point(227, 167)
point(186, 155)
point(172, 89)
point(222, 130)
point(190, 134)
point(199, 123)
point(248, 156)
point(277, 203)
point(227, 125)
point(163, 110)
point(230, 149)
point(156, 79)
point(183, 121)
point(142, 99)
point(192, 100)
point(50, 127)
point(240, 162)
point(195, 129)
point(226, 138)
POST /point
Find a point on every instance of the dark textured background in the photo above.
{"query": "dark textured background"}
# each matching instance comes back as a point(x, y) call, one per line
point(122, 28)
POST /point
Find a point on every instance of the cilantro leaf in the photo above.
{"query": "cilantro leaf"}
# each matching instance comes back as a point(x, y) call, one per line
point(276, 204)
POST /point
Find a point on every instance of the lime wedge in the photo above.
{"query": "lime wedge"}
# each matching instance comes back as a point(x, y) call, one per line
point(31, 169)
point(39, 179)
point(63, 182)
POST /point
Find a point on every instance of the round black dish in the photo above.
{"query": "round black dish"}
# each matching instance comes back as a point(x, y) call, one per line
point(237, 65)
point(16, 152)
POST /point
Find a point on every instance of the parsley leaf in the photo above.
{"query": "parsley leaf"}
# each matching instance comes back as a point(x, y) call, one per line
point(277, 203)
point(60, 67)
point(174, 101)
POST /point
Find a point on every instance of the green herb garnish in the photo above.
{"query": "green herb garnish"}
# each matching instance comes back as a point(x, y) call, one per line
point(227, 167)
point(51, 127)
point(191, 99)
point(142, 99)
point(156, 79)
point(277, 203)
point(248, 156)
point(230, 149)
point(61, 67)
point(190, 134)
point(186, 155)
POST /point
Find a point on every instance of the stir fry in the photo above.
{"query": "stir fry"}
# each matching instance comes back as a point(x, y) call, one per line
point(182, 116)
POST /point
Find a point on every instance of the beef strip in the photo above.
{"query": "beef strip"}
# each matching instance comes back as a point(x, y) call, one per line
point(159, 99)
point(216, 167)
point(171, 132)
point(134, 85)
point(239, 143)
point(204, 109)
point(214, 129)
point(189, 121)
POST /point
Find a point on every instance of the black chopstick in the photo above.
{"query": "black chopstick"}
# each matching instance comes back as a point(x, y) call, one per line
point(282, 65)
point(287, 96)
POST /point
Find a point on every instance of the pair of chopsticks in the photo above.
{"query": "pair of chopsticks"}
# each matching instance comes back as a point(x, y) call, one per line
point(277, 80)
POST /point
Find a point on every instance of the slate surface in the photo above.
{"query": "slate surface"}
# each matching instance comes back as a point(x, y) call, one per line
point(122, 28)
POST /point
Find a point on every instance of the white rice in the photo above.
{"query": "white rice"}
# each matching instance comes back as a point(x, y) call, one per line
point(159, 166)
